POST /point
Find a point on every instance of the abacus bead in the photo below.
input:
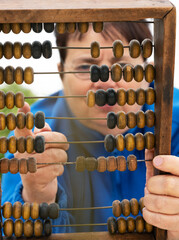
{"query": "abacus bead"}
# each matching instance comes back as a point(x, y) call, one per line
point(9, 100)
point(118, 49)
point(21, 120)
point(12, 144)
point(29, 120)
point(148, 227)
point(116, 208)
point(8, 227)
point(139, 141)
point(130, 142)
point(28, 75)
point(6, 27)
point(61, 28)
point(150, 118)
point(125, 207)
point(3, 144)
point(49, 27)
point(47, 227)
point(26, 27)
point(138, 73)
point(1, 50)
point(38, 228)
point(121, 225)
point(21, 147)
point(130, 224)
point(94, 73)
point(27, 50)
point(17, 50)
point(132, 162)
point(34, 210)
point(16, 28)
point(13, 165)
point(111, 164)
point(141, 204)
point(131, 120)
point(149, 140)
point(90, 98)
point(104, 73)
point(4, 165)
point(116, 72)
point(150, 96)
point(121, 96)
point(131, 97)
point(134, 206)
point(39, 119)
point(39, 144)
point(98, 27)
point(1, 75)
point(8, 50)
point(102, 164)
point(111, 97)
point(121, 163)
point(109, 143)
point(18, 75)
point(2, 121)
point(112, 226)
point(2, 99)
point(128, 73)
point(18, 228)
point(23, 166)
point(140, 96)
point(134, 48)
point(95, 49)
point(9, 75)
point(100, 97)
point(140, 119)
point(28, 228)
point(36, 49)
point(37, 27)
point(71, 27)
point(121, 120)
point(53, 210)
point(139, 224)
point(19, 99)
point(149, 73)
point(26, 210)
point(91, 163)
point(111, 120)
point(31, 165)
point(47, 49)
point(146, 48)
point(43, 211)
point(29, 144)
point(120, 142)
point(7, 210)
point(83, 27)
point(17, 210)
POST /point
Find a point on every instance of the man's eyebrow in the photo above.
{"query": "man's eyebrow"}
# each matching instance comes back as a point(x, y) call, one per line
point(86, 60)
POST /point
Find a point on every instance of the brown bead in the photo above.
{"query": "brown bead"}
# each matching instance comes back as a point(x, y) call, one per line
point(149, 140)
point(90, 164)
point(19, 99)
point(8, 227)
point(61, 28)
point(38, 228)
point(140, 119)
point(121, 225)
point(134, 206)
point(14, 165)
point(31, 163)
point(141, 204)
point(9, 100)
point(134, 48)
point(8, 50)
point(16, 28)
point(9, 75)
point(2, 99)
point(146, 48)
point(121, 96)
point(34, 211)
point(138, 73)
point(125, 207)
point(3, 144)
point(26, 27)
point(18, 75)
point(102, 164)
point(71, 27)
point(148, 227)
point(23, 166)
point(26, 50)
point(128, 73)
point(139, 141)
point(120, 142)
point(2, 121)
point(17, 50)
point(111, 164)
point(28, 75)
point(129, 142)
point(7, 210)
point(121, 120)
point(131, 120)
point(29, 120)
point(116, 72)
point(118, 49)
point(29, 144)
point(21, 120)
point(83, 27)
point(131, 97)
point(121, 163)
point(6, 28)
point(17, 210)
point(80, 163)
point(130, 224)
point(1, 75)
point(11, 121)
point(132, 162)
point(140, 96)
point(90, 98)
point(149, 73)
point(4, 165)
point(150, 96)
point(21, 144)
point(12, 144)
point(1, 50)
point(116, 208)
point(28, 228)
point(98, 27)
point(150, 118)
point(95, 49)
point(139, 224)
point(18, 228)
point(26, 210)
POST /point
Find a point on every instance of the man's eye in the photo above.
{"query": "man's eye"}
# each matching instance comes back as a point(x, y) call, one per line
point(83, 68)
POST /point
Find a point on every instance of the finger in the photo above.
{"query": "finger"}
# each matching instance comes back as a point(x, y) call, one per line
point(161, 204)
point(149, 154)
point(44, 129)
point(25, 109)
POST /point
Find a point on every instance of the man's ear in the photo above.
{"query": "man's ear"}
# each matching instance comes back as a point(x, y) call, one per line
point(60, 69)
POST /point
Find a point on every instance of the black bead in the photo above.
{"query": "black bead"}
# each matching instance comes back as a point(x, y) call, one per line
point(39, 119)
point(109, 143)
point(91, 163)
point(104, 73)
point(39, 144)
point(112, 225)
point(111, 97)
point(94, 73)
point(53, 211)
point(47, 49)
point(37, 27)
point(36, 49)
point(47, 227)
point(111, 120)
point(100, 97)
point(49, 27)
point(43, 212)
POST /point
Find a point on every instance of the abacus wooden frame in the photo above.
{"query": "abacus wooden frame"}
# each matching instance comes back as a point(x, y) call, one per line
point(164, 15)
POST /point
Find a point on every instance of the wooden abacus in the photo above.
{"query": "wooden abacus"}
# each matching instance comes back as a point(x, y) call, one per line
point(19, 15)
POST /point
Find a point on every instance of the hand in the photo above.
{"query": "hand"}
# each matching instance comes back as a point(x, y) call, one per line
point(42, 185)
point(162, 194)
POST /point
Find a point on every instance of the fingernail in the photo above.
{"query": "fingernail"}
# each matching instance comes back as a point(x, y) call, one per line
point(158, 161)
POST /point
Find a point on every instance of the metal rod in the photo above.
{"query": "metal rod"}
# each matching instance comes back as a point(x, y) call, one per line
point(70, 72)
point(86, 208)
point(68, 96)
point(75, 118)
point(75, 142)
point(81, 225)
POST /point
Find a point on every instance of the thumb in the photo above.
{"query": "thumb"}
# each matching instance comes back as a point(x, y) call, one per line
point(149, 155)
point(44, 129)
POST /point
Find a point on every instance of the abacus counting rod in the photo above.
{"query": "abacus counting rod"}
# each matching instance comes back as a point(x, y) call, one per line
point(81, 225)
point(76, 142)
